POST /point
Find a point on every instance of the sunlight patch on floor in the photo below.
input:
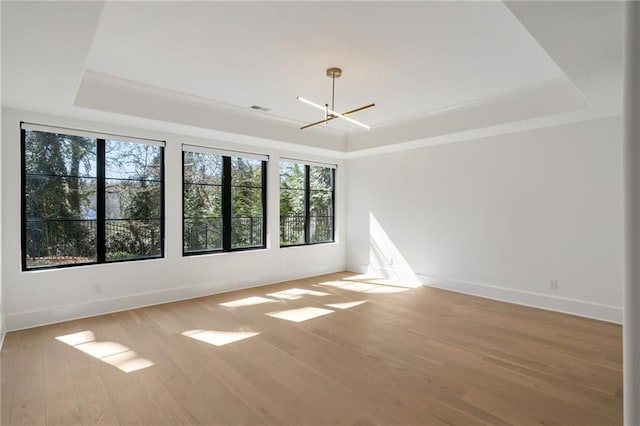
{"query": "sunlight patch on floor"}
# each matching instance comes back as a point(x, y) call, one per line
point(300, 314)
point(364, 287)
point(345, 305)
point(248, 301)
point(378, 279)
point(112, 353)
point(219, 338)
point(296, 293)
point(363, 277)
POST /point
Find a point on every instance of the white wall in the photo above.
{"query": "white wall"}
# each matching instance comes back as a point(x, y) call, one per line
point(39, 297)
point(2, 323)
point(499, 217)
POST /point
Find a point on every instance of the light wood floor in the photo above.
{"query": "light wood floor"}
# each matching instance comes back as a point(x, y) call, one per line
point(415, 357)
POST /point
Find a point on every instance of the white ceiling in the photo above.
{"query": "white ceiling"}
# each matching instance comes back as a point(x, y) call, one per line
point(434, 69)
point(408, 58)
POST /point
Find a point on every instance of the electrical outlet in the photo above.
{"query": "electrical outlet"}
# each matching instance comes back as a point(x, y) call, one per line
point(553, 284)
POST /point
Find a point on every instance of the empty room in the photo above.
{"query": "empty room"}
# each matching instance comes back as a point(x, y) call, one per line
point(320, 213)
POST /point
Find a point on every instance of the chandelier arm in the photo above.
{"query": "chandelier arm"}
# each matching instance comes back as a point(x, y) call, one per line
point(359, 109)
point(333, 117)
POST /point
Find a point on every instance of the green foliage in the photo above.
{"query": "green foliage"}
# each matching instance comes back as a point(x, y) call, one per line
point(246, 202)
point(292, 183)
point(56, 193)
point(292, 203)
point(61, 204)
point(202, 198)
point(116, 255)
point(134, 197)
point(132, 238)
point(203, 201)
point(52, 163)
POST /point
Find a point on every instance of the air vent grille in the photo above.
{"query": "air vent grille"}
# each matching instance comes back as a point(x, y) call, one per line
point(259, 108)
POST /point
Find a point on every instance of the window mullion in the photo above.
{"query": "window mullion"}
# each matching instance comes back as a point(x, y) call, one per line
point(264, 204)
point(23, 165)
point(162, 202)
point(101, 241)
point(333, 204)
point(307, 204)
point(226, 203)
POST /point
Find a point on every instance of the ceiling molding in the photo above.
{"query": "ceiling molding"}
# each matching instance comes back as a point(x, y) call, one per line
point(99, 79)
point(100, 92)
point(563, 119)
point(549, 98)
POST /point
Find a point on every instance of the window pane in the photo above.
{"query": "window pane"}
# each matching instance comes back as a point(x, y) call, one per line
point(320, 178)
point(132, 238)
point(133, 200)
point(246, 172)
point(321, 203)
point(55, 197)
point(292, 205)
point(125, 160)
point(60, 199)
point(321, 217)
point(292, 176)
point(130, 199)
point(292, 216)
point(246, 217)
point(202, 202)
point(132, 227)
point(202, 217)
point(60, 242)
point(202, 234)
point(61, 155)
point(202, 168)
point(246, 203)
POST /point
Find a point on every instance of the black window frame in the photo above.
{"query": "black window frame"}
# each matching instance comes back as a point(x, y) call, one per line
point(226, 196)
point(307, 206)
point(101, 247)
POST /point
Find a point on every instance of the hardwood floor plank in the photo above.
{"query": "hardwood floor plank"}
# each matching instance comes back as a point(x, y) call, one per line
point(60, 392)
point(8, 359)
point(27, 385)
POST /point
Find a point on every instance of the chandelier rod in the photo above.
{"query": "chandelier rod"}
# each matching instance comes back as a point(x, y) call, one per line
point(333, 90)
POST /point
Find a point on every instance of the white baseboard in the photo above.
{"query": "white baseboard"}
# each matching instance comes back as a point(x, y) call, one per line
point(537, 300)
point(56, 314)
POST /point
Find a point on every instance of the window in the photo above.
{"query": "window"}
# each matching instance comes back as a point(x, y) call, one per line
point(224, 201)
point(306, 204)
point(89, 199)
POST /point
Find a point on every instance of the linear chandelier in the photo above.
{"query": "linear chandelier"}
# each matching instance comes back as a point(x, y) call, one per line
point(330, 113)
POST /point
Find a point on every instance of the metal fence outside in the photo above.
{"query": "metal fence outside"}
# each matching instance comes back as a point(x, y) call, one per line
point(62, 241)
point(292, 229)
point(205, 233)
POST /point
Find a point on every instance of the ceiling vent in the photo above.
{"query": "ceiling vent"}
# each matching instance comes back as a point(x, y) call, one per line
point(259, 108)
